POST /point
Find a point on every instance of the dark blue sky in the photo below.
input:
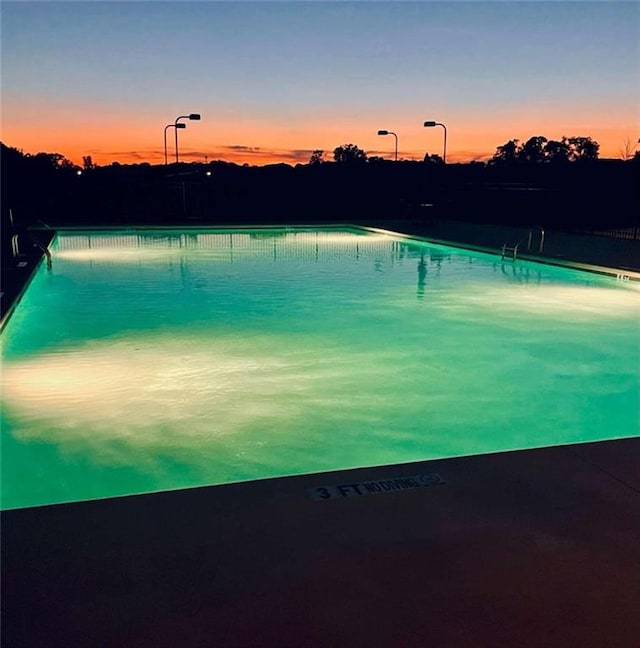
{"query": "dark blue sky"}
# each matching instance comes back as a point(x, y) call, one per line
point(282, 78)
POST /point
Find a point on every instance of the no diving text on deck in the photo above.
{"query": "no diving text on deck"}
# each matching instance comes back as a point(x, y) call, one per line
point(376, 487)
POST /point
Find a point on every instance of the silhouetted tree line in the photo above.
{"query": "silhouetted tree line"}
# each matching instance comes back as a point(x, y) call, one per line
point(539, 149)
point(555, 184)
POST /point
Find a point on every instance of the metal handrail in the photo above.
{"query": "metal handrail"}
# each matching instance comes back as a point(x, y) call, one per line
point(528, 238)
point(541, 239)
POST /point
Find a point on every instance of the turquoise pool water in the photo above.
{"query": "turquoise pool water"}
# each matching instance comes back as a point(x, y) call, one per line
point(153, 360)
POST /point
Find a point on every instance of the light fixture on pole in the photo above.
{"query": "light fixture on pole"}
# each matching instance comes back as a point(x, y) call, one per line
point(165, 137)
point(192, 116)
point(431, 124)
point(388, 132)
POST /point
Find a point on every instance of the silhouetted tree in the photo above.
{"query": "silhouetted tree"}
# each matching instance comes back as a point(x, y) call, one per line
point(583, 148)
point(349, 153)
point(532, 151)
point(433, 159)
point(87, 162)
point(506, 154)
point(557, 151)
point(10, 155)
point(49, 161)
point(627, 150)
point(316, 157)
point(538, 149)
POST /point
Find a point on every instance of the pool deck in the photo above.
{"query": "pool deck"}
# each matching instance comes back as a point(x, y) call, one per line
point(535, 548)
point(527, 548)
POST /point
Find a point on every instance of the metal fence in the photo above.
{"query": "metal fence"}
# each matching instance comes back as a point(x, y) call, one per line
point(287, 244)
point(632, 233)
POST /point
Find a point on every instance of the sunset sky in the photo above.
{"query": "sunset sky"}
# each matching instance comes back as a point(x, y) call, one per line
point(276, 80)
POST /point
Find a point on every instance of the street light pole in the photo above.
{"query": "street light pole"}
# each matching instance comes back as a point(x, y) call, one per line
point(193, 116)
point(430, 124)
point(388, 132)
point(165, 137)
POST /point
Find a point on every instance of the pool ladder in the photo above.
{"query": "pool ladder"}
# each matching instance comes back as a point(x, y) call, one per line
point(17, 254)
point(512, 250)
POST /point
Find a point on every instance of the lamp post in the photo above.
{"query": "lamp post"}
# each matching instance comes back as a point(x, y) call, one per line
point(165, 137)
point(192, 116)
point(430, 124)
point(387, 132)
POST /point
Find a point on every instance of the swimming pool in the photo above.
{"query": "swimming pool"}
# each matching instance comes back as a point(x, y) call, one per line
point(153, 360)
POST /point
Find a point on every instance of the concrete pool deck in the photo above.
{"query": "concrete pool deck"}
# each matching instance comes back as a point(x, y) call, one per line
point(528, 548)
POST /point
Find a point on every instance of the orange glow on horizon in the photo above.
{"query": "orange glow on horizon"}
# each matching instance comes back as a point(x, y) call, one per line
point(111, 137)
